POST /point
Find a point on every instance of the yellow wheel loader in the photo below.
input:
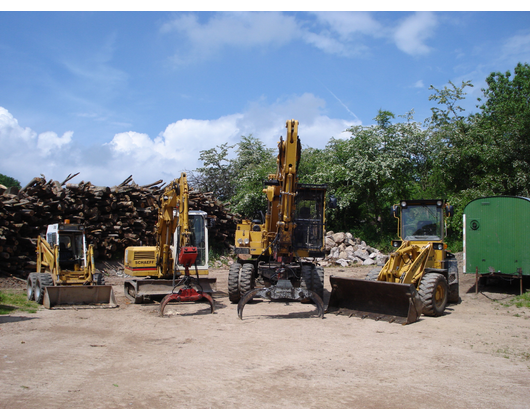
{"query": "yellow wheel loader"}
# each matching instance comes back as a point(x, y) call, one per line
point(420, 276)
point(173, 268)
point(66, 275)
point(271, 251)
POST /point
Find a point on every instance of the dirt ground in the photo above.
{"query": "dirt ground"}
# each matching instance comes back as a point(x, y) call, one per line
point(280, 355)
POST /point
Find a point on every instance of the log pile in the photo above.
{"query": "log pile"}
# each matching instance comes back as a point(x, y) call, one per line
point(114, 217)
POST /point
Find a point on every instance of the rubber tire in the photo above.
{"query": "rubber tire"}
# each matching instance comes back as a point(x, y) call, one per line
point(433, 293)
point(306, 279)
point(30, 284)
point(98, 280)
point(454, 288)
point(373, 274)
point(318, 281)
point(454, 293)
point(247, 279)
point(43, 280)
point(306, 276)
point(233, 283)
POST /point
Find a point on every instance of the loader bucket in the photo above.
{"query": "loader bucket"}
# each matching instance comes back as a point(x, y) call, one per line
point(379, 300)
point(75, 297)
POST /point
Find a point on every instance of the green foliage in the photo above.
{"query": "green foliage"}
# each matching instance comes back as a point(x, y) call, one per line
point(504, 127)
point(7, 181)
point(16, 300)
point(237, 180)
point(216, 174)
point(375, 168)
point(253, 164)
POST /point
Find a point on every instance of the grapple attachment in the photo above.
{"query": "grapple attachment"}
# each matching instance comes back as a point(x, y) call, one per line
point(64, 297)
point(281, 293)
point(379, 300)
point(186, 294)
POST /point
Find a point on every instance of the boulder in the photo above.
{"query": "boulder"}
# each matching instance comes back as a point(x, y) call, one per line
point(339, 237)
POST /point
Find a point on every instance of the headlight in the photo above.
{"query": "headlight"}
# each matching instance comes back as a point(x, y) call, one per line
point(439, 203)
point(403, 204)
point(240, 241)
point(246, 241)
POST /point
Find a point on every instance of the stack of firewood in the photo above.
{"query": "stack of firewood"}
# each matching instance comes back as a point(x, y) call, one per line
point(114, 217)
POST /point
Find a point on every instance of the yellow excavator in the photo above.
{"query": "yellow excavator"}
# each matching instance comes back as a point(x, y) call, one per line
point(420, 276)
point(270, 250)
point(180, 257)
point(66, 275)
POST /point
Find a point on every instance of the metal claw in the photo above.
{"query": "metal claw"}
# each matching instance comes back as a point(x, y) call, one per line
point(186, 295)
point(318, 302)
point(244, 300)
point(269, 293)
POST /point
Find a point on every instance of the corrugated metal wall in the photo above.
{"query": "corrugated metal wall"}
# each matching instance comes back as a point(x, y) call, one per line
point(497, 235)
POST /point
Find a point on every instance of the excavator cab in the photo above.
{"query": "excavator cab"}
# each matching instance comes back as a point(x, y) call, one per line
point(309, 220)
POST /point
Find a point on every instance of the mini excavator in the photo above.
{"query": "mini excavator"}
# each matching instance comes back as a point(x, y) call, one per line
point(181, 245)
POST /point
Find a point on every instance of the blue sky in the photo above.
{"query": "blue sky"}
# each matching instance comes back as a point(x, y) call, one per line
point(113, 94)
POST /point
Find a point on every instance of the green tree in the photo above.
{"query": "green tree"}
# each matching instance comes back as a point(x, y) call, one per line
point(237, 180)
point(377, 166)
point(216, 175)
point(7, 181)
point(252, 165)
point(504, 126)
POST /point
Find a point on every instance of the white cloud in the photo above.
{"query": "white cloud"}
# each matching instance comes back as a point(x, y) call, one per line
point(238, 29)
point(516, 46)
point(11, 132)
point(346, 24)
point(336, 33)
point(411, 34)
point(26, 154)
point(49, 140)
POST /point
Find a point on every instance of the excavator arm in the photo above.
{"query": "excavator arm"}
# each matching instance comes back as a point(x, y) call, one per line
point(288, 159)
point(173, 215)
point(47, 258)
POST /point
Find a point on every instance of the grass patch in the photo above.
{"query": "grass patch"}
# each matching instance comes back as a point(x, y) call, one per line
point(16, 300)
point(521, 301)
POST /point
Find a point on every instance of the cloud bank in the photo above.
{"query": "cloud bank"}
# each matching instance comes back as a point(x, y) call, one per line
point(337, 33)
point(27, 154)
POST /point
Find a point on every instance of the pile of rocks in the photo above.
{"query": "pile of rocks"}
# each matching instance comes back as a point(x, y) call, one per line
point(345, 250)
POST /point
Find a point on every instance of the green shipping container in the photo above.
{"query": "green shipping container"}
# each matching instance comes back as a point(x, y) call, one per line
point(497, 235)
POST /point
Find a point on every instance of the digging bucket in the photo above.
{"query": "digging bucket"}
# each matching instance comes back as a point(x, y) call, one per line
point(393, 302)
point(64, 297)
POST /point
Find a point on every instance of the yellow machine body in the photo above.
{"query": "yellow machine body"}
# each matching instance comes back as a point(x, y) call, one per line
point(66, 274)
point(421, 260)
point(177, 227)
